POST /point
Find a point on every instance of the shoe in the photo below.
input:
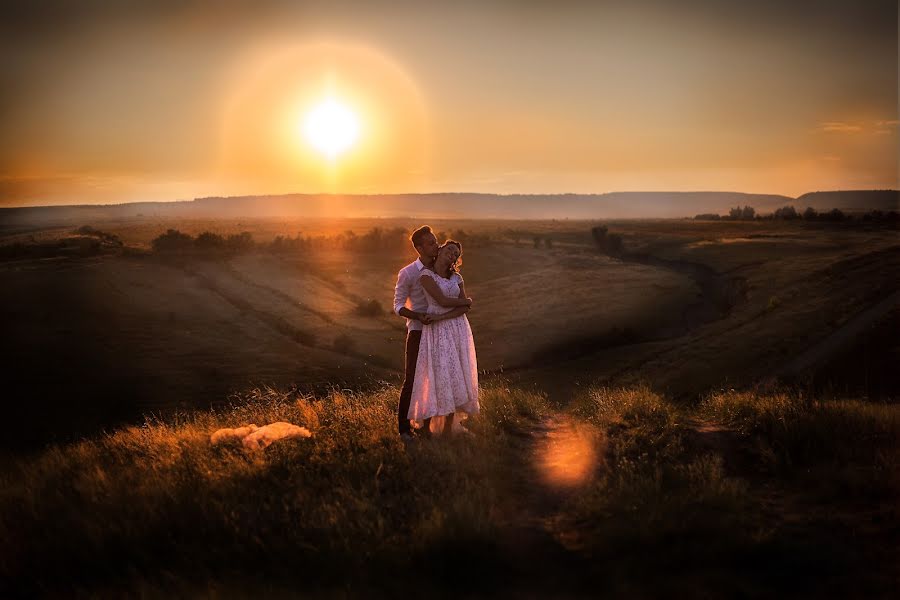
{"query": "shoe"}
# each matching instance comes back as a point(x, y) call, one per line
point(407, 437)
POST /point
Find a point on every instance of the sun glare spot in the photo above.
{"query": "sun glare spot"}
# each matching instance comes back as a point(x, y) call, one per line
point(331, 128)
point(568, 456)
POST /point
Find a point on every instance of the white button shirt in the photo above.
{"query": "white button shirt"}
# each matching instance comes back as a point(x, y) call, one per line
point(409, 293)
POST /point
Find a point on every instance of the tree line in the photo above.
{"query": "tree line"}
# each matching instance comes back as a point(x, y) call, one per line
point(388, 240)
point(789, 213)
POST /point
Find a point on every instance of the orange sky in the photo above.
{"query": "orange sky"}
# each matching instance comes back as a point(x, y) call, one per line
point(175, 100)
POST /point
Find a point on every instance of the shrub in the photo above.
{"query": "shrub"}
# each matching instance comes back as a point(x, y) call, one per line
point(209, 242)
point(172, 242)
point(369, 308)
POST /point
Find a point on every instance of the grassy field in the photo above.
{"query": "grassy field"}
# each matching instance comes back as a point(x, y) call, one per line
point(644, 430)
point(130, 332)
point(100, 339)
point(744, 494)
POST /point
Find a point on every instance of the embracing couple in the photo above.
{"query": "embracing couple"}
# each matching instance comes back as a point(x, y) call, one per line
point(441, 375)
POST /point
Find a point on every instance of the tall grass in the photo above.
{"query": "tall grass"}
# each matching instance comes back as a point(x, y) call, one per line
point(658, 507)
point(351, 504)
point(799, 430)
point(157, 509)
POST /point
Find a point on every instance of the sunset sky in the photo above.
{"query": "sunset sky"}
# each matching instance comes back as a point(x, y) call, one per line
point(127, 101)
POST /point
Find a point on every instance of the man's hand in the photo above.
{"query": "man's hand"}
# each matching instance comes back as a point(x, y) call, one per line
point(425, 318)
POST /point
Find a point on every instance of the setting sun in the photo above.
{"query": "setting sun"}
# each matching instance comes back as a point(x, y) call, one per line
point(331, 128)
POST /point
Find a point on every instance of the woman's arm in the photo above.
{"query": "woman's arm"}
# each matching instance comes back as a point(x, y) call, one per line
point(462, 289)
point(431, 286)
point(456, 312)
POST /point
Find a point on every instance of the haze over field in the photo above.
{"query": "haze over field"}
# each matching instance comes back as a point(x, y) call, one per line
point(165, 101)
point(622, 205)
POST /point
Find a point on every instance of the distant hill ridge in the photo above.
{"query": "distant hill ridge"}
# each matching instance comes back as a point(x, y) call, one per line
point(612, 205)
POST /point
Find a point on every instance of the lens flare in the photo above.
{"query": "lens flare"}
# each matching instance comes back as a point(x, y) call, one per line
point(569, 455)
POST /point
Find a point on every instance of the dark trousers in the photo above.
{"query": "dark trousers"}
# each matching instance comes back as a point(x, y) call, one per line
point(413, 339)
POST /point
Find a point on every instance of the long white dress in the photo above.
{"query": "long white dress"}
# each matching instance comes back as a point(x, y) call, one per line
point(446, 378)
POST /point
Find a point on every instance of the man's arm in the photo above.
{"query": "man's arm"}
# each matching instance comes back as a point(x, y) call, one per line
point(425, 318)
point(401, 293)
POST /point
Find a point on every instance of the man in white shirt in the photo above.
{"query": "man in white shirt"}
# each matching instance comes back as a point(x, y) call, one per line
point(409, 302)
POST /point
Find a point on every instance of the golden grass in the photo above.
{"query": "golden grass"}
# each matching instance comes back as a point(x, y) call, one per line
point(798, 429)
point(348, 500)
point(157, 509)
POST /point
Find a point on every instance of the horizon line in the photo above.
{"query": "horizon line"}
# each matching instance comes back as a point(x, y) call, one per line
point(468, 193)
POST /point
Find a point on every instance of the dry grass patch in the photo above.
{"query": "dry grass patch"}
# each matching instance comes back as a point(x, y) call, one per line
point(142, 502)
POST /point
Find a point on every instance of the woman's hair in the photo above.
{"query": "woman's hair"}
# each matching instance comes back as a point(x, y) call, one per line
point(454, 268)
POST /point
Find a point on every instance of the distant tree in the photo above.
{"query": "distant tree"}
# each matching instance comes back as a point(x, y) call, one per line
point(786, 213)
point(548, 242)
point(747, 213)
point(614, 244)
point(810, 214)
point(608, 243)
point(537, 241)
point(172, 242)
point(209, 242)
point(835, 214)
point(240, 242)
point(707, 217)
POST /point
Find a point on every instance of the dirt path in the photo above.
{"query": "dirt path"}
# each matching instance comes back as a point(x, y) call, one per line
point(557, 457)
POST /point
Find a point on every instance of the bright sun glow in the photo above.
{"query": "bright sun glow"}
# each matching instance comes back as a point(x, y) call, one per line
point(331, 128)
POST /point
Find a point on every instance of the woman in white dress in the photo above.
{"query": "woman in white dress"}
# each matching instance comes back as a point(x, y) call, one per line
point(446, 371)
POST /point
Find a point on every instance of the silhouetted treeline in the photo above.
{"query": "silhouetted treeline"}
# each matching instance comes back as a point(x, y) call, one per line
point(176, 242)
point(393, 240)
point(747, 213)
point(789, 213)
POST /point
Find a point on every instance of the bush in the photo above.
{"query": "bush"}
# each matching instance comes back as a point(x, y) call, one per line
point(209, 242)
point(608, 243)
point(173, 242)
point(786, 213)
point(369, 308)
